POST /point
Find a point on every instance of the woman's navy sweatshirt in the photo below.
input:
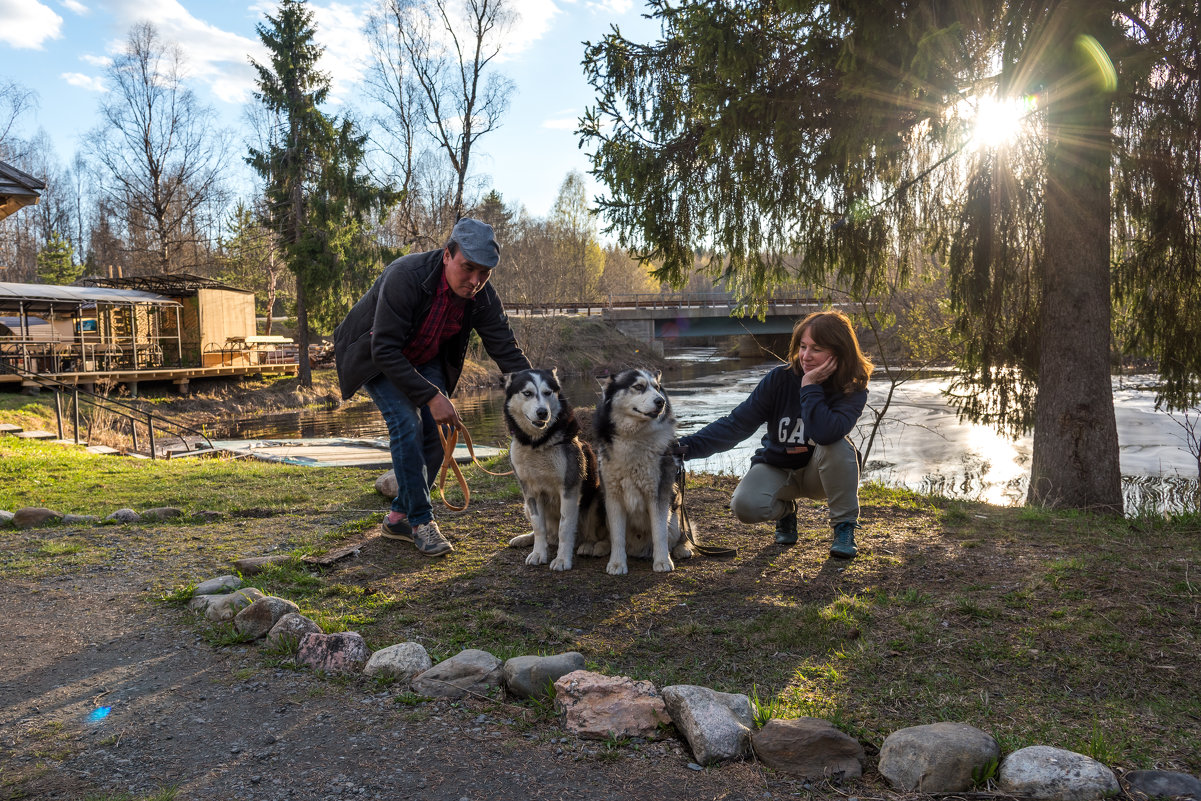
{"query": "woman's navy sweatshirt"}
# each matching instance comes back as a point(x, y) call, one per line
point(797, 419)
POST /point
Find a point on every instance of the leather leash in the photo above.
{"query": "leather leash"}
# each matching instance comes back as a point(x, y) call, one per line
point(714, 551)
point(448, 463)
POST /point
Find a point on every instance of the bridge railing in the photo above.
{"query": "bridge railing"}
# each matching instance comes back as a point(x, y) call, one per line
point(652, 300)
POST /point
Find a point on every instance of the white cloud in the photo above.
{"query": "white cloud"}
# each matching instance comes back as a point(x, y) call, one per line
point(562, 123)
point(618, 7)
point(340, 32)
point(75, 7)
point(95, 61)
point(212, 55)
point(89, 82)
point(28, 23)
point(534, 19)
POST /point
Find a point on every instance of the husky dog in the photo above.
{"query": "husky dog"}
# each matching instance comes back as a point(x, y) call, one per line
point(556, 471)
point(634, 431)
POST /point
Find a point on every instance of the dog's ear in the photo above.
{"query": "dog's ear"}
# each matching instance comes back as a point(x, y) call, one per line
point(658, 375)
point(506, 379)
point(554, 373)
point(604, 381)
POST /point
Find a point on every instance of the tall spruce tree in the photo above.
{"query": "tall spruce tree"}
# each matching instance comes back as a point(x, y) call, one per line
point(320, 203)
point(843, 132)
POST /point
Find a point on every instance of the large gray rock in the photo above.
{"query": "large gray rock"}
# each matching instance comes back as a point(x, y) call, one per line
point(33, 516)
point(467, 672)
point(76, 520)
point(402, 661)
point(291, 628)
point(220, 608)
point(123, 516)
point(344, 652)
point(1055, 774)
point(6, 518)
point(937, 758)
point(596, 706)
point(261, 616)
point(535, 676)
point(252, 565)
point(810, 748)
point(386, 484)
point(218, 585)
point(1163, 784)
point(716, 725)
point(161, 513)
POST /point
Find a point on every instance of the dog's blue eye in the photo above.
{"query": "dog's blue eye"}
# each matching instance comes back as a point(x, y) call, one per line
point(546, 392)
point(528, 394)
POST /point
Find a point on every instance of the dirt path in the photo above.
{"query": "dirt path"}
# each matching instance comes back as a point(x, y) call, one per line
point(216, 725)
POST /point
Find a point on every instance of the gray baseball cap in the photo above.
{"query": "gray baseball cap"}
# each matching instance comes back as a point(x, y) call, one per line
point(477, 242)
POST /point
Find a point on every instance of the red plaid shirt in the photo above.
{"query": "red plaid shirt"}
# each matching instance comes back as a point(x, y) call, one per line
point(443, 322)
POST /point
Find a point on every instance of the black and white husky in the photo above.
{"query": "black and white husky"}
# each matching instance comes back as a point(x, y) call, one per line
point(635, 428)
point(556, 471)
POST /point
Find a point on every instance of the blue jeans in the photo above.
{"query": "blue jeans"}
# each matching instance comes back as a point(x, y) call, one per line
point(413, 440)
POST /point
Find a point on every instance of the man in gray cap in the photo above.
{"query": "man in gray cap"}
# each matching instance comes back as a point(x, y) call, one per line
point(405, 342)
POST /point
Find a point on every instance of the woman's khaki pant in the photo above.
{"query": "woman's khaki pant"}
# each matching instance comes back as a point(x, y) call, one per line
point(832, 475)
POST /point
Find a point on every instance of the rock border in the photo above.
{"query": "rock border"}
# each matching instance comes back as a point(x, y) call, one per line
point(939, 758)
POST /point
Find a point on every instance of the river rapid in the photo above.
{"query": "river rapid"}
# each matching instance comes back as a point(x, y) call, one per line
point(921, 444)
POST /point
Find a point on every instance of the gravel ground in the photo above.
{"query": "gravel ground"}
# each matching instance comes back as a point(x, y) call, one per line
point(212, 723)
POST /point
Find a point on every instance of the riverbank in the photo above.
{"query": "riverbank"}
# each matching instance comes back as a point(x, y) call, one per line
point(1040, 628)
point(575, 346)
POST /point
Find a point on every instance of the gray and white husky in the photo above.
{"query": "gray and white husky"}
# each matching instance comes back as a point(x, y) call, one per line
point(556, 471)
point(635, 428)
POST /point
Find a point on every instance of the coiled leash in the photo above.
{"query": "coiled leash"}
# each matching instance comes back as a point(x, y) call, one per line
point(714, 551)
point(448, 463)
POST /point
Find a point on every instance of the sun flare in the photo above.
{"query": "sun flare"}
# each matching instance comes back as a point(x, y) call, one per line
point(999, 121)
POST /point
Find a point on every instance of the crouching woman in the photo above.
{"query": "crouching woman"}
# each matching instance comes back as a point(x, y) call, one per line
point(810, 404)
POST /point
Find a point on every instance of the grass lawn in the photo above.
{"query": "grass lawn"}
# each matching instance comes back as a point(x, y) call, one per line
point(1062, 629)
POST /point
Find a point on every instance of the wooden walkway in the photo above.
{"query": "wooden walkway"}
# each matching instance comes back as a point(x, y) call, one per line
point(180, 376)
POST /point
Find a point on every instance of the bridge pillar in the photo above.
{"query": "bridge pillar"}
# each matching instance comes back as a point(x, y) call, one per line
point(641, 330)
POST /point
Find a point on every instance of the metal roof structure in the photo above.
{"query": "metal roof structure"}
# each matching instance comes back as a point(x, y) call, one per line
point(17, 189)
point(35, 297)
point(177, 284)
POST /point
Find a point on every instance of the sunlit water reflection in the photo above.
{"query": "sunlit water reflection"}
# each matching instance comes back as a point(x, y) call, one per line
point(921, 444)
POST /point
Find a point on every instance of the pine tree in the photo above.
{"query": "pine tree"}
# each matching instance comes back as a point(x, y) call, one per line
point(319, 201)
point(56, 262)
point(842, 134)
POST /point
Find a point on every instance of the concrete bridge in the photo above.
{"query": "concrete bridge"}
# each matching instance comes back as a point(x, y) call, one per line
point(683, 315)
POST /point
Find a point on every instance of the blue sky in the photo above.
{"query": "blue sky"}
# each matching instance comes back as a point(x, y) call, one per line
point(59, 49)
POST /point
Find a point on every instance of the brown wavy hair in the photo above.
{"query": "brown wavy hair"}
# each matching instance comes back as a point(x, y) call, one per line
point(832, 330)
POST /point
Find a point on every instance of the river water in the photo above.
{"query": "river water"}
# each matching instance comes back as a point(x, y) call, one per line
point(921, 444)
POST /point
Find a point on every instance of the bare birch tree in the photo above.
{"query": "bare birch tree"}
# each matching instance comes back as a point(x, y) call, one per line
point(433, 71)
point(159, 152)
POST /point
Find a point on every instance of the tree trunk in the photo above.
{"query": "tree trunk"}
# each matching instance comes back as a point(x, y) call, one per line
point(1075, 460)
point(305, 374)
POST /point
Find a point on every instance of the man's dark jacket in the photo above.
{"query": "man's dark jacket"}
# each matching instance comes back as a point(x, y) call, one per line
point(369, 341)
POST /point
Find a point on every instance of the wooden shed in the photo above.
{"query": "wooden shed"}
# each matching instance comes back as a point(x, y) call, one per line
point(217, 321)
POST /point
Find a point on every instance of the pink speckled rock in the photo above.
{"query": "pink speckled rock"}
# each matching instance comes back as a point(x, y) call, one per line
point(596, 706)
point(344, 652)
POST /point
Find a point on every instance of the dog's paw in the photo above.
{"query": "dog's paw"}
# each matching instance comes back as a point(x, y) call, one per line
point(536, 557)
point(616, 568)
point(585, 549)
point(681, 552)
point(601, 548)
point(560, 563)
point(664, 565)
point(522, 540)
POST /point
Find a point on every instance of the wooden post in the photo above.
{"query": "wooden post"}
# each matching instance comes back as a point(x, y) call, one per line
point(58, 411)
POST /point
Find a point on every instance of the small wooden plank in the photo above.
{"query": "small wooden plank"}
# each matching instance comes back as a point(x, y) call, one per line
point(340, 552)
point(9, 428)
point(35, 435)
point(102, 450)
